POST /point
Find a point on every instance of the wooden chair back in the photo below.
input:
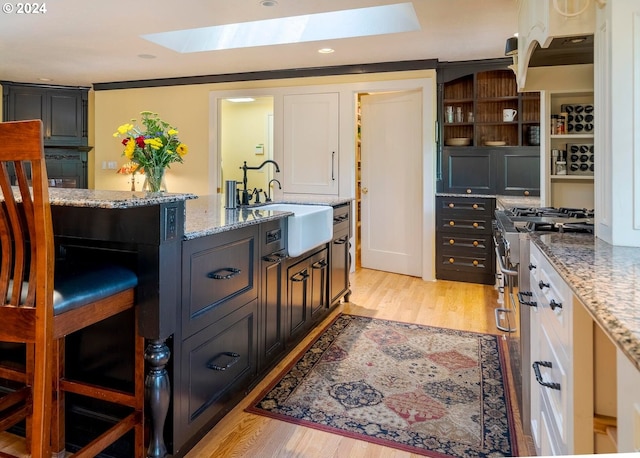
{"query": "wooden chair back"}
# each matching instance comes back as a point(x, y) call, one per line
point(27, 263)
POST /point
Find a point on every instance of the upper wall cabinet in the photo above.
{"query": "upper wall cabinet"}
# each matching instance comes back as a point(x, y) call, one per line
point(490, 133)
point(310, 143)
point(62, 110)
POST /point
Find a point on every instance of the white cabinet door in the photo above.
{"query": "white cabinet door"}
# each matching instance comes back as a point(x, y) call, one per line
point(310, 143)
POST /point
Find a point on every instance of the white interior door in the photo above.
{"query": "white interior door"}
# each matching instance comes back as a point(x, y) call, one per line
point(391, 133)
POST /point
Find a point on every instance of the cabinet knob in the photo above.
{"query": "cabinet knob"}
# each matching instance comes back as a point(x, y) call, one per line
point(468, 191)
point(475, 225)
point(475, 243)
point(475, 206)
point(475, 263)
point(526, 193)
point(451, 260)
point(451, 205)
point(452, 223)
point(451, 241)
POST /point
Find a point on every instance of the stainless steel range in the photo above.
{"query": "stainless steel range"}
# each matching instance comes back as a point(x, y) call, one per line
point(511, 237)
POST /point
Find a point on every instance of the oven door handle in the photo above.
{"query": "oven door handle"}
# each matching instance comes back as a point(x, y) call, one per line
point(503, 268)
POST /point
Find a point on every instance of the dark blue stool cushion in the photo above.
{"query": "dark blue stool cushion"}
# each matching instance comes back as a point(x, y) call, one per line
point(76, 285)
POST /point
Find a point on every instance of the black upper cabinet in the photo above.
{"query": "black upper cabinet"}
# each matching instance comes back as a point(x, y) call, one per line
point(63, 111)
point(481, 151)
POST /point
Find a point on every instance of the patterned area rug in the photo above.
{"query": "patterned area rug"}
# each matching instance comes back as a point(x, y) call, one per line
point(431, 391)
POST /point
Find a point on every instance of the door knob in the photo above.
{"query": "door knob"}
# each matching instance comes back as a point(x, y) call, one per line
point(365, 190)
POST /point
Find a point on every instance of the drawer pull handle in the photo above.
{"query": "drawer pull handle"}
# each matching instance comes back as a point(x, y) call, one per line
point(452, 223)
point(475, 243)
point(319, 264)
point(475, 263)
point(300, 276)
point(532, 266)
point(543, 285)
point(339, 219)
point(221, 275)
point(273, 258)
point(555, 305)
point(475, 225)
point(475, 206)
point(468, 191)
point(523, 299)
point(451, 241)
point(341, 240)
point(451, 260)
point(536, 369)
point(223, 361)
point(526, 193)
point(451, 205)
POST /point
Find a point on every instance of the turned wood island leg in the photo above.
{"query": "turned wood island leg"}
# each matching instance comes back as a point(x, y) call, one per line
point(157, 393)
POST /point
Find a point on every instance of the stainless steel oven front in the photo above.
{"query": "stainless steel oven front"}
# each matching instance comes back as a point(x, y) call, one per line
point(512, 253)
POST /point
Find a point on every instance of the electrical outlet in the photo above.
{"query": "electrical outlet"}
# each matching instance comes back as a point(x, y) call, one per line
point(113, 165)
point(104, 165)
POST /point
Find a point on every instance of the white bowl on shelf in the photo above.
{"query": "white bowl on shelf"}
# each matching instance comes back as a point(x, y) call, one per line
point(458, 141)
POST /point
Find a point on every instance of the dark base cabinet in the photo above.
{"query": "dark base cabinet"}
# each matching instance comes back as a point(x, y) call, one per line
point(339, 253)
point(307, 283)
point(464, 239)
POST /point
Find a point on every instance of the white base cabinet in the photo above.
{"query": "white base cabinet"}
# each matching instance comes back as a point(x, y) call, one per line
point(562, 358)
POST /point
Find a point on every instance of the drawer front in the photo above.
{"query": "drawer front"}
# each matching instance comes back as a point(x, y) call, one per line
point(478, 207)
point(217, 364)
point(220, 275)
point(456, 223)
point(554, 402)
point(341, 216)
point(466, 263)
point(454, 243)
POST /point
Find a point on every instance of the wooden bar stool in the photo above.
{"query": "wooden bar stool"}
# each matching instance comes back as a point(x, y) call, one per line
point(47, 300)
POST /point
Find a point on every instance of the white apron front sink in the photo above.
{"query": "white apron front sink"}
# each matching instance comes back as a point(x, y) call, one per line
point(308, 227)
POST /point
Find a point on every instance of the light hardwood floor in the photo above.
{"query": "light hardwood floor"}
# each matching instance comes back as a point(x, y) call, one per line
point(377, 294)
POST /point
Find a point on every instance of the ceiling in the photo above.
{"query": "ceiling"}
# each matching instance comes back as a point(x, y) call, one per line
point(80, 42)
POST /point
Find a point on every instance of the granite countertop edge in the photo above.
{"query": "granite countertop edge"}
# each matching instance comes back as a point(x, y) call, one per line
point(602, 278)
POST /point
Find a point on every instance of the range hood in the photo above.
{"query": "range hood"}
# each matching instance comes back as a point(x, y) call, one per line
point(552, 33)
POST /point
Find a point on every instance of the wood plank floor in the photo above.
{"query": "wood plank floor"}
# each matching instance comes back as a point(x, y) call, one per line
point(463, 306)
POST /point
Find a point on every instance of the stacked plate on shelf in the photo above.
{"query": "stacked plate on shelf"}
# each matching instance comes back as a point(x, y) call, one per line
point(458, 141)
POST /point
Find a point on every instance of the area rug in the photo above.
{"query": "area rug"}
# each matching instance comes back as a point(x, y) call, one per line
point(426, 390)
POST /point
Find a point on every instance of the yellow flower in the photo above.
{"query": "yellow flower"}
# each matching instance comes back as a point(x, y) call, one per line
point(130, 148)
point(123, 129)
point(154, 143)
point(172, 132)
point(182, 149)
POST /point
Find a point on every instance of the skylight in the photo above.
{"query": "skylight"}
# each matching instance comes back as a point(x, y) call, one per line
point(360, 22)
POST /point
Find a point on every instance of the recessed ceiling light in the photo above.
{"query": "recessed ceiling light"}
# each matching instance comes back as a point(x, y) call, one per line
point(325, 50)
point(268, 2)
point(146, 56)
point(241, 99)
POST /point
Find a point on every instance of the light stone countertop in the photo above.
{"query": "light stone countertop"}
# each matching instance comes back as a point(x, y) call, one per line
point(605, 278)
point(92, 198)
point(502, 201)
point(207, 215)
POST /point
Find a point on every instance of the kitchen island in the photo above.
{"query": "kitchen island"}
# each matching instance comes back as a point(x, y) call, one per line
point(594, 333)
point(152, 232)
